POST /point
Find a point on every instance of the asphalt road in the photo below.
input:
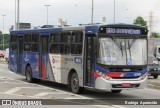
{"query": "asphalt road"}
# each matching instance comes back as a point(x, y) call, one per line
point(13, 86)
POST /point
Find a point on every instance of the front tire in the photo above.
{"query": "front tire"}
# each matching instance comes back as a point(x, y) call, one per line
point(75, 84)
point(155, 76)
point(29, 74)
point(116, 91)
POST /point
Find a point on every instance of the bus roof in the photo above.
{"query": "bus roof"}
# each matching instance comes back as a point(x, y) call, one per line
point(89, 29)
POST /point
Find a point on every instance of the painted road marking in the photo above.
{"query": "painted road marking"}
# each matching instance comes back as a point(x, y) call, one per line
point(19, 88)
point(41, 94)
point(75, 98)
point(152, 89)
point(108, 106)
point(45, 93)
point(13, 90)
point(117, 106)
point(13, 83)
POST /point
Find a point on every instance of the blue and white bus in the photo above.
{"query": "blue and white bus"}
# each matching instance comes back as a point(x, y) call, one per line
point(104, 57)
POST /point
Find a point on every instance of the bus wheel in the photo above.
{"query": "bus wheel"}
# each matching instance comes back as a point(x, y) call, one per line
point(29, 74)
point(75, 84)
point(116, 91)
point(155, 76)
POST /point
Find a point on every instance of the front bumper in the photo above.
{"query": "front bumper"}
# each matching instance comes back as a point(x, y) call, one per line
point(116, 84)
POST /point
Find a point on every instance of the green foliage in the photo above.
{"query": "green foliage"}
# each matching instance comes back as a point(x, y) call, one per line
point(155, 35)
point(139, 20)
point(6, 41)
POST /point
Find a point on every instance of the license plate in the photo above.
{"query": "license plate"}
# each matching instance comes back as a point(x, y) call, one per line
point(126, 84)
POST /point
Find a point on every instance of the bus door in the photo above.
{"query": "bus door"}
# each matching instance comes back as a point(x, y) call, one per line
point(43, 56)
point(89, 61)
point(20, 54)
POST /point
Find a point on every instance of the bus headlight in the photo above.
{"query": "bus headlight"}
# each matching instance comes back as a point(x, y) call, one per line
point(102, 74)
point(143, 76)
point(105, 76)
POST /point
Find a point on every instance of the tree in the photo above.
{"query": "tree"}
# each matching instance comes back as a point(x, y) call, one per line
point(139, 20)
point(6, 40)
point(155, 35)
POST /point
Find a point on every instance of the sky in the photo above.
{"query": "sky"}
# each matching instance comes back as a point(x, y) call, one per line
point(78, 12)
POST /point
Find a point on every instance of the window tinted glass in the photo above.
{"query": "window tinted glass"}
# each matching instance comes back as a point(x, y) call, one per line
point(13, 46)
point(13, 38)
point(54, 48)
point(65, 37)
point(77, 42)
point(27, 38)
point(55, 37)
point(27, 47)
point(77, 37)
point(35, 37)
point(34, 48)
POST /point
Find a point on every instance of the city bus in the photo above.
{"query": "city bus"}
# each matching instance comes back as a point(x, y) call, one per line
point(109, 57)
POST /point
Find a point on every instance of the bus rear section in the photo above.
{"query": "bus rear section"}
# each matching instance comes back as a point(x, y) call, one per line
point(121, 59)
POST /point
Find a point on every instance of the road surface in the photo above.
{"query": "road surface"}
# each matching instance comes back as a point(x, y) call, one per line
point(13, 86)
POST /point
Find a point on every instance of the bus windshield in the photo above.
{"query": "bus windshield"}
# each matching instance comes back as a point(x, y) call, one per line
point(115, 51)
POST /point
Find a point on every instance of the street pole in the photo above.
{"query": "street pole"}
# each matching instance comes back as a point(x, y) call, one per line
point(15, 15)
point(92, 12)
point(114, 13)
point(18, 15)
point(47, 12)
point(3, 30)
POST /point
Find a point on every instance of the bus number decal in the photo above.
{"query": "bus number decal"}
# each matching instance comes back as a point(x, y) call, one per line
point(137, 74)
point(77, 60)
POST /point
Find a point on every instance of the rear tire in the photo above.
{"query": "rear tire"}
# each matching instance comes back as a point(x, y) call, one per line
point(29, 74)
point(75, 84)
point(116, 91)
point(155, 76)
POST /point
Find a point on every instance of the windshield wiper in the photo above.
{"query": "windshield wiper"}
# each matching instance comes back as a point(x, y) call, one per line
point(130, 45)
point(129, 48)
point(119, 46)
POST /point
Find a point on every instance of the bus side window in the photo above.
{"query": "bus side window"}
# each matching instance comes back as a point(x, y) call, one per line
point(54, 48)
point(77, 42)
point(27, 42)
point(55, 38)
point(13, 43)
point(65, 42)
point(13, 47)
point(27, 47)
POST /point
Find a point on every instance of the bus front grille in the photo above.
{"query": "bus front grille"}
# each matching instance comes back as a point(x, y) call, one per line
point(120, 86)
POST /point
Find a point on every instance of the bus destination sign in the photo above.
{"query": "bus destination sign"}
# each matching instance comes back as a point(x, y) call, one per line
point(123, 31)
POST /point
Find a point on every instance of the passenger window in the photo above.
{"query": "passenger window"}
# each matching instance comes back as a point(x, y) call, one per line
point(65, 42)
point(77, 42)
point(13, 42)
point(13, 38)
point(34, 48)
point(55, 38)
point(13, 46)
point(27, 38)
point(27, 47)
point(35, 37)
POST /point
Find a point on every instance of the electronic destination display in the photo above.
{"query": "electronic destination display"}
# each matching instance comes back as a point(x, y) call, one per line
point(121, 30)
